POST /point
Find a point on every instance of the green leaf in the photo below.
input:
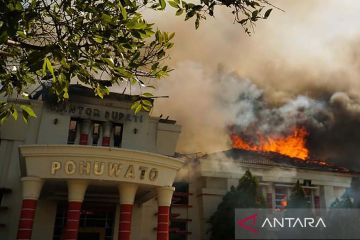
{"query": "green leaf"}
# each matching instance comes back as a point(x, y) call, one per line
point(135, 105)
point(44, 67)
point(28, 110)
point(146, 108)
point(147, 94)
point(197, 22)
point(154, 66)
point(138, 108)
point(106, 18)
point(267, 13)
point(146, 103)
point(49, 66)
point(179, 11)
point(173, 4)
point(162, 4)
point(123, 11)
point(98, 39)
point(14, 113)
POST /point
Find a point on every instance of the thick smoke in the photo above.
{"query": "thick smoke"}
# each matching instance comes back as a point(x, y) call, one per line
point(301, 67)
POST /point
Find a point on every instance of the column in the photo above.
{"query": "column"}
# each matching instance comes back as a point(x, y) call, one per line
point(31, 188)
point(269, 196)
point(317, 198)
point(106, 134)
point(76, 193)
point(85, 127)
point(127, 192)
point(328, 195)
point(164, 196)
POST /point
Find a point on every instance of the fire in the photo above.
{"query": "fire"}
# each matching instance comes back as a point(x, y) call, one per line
point(293, 145)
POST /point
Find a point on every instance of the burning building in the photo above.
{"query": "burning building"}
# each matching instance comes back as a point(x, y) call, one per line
point(278, 162)
point(92, 169)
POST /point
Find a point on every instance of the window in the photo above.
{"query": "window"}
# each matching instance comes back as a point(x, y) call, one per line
point(72, 131)
point(94, 216)
point(117, 135)
point(181, 194)
point(178, 230)
point(95, 134)
point(281, 197)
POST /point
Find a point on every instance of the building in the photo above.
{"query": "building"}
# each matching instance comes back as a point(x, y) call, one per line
point(207, 179)
point(91, 169)
point(85, 169)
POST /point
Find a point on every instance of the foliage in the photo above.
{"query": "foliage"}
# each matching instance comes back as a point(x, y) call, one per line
point(297, 197)
point(245, 195)
point(344, 202)
point(96, 43)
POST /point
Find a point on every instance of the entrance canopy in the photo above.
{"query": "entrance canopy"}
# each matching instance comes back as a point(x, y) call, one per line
point(98, 163)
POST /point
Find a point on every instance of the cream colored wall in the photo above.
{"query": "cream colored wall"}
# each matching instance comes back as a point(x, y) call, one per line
point(166, 138)
point(53, 128)
point(44, 220)
point(12, 134)
point(144, 221)
point(10, 178)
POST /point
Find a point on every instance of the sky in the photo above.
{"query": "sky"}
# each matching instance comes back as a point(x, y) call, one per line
point(310, 49)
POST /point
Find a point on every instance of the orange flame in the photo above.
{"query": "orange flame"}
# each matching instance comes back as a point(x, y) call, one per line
point(292, 145)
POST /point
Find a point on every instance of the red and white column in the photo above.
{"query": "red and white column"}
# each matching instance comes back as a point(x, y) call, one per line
point(85, 127)
point(164, 196)
point(31, 191)
point(76, 193)
point(127, 192)
point(106, 134)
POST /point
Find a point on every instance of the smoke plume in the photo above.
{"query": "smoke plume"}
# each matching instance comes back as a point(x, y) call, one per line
point(300, 67)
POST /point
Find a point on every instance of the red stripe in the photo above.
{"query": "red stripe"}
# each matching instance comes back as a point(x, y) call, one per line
point(26, 223)
point(24, 234)
point(29, 203)
point(106, 141)
point(73, 214)
point(163, 236)
point(163, 223)
point(27, 214)
point(72, 221)
point(84, 139)
point(125, 221)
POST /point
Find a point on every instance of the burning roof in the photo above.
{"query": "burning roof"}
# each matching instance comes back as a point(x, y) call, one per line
point(292, 145)
point(280, 160)
point(279, 150)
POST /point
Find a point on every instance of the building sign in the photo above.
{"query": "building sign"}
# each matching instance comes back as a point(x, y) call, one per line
point(94, 112)
point(113, 170)
point(98, 164)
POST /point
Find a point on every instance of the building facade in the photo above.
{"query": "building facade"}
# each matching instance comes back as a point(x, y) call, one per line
point(94, 170)
point(87, 169)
